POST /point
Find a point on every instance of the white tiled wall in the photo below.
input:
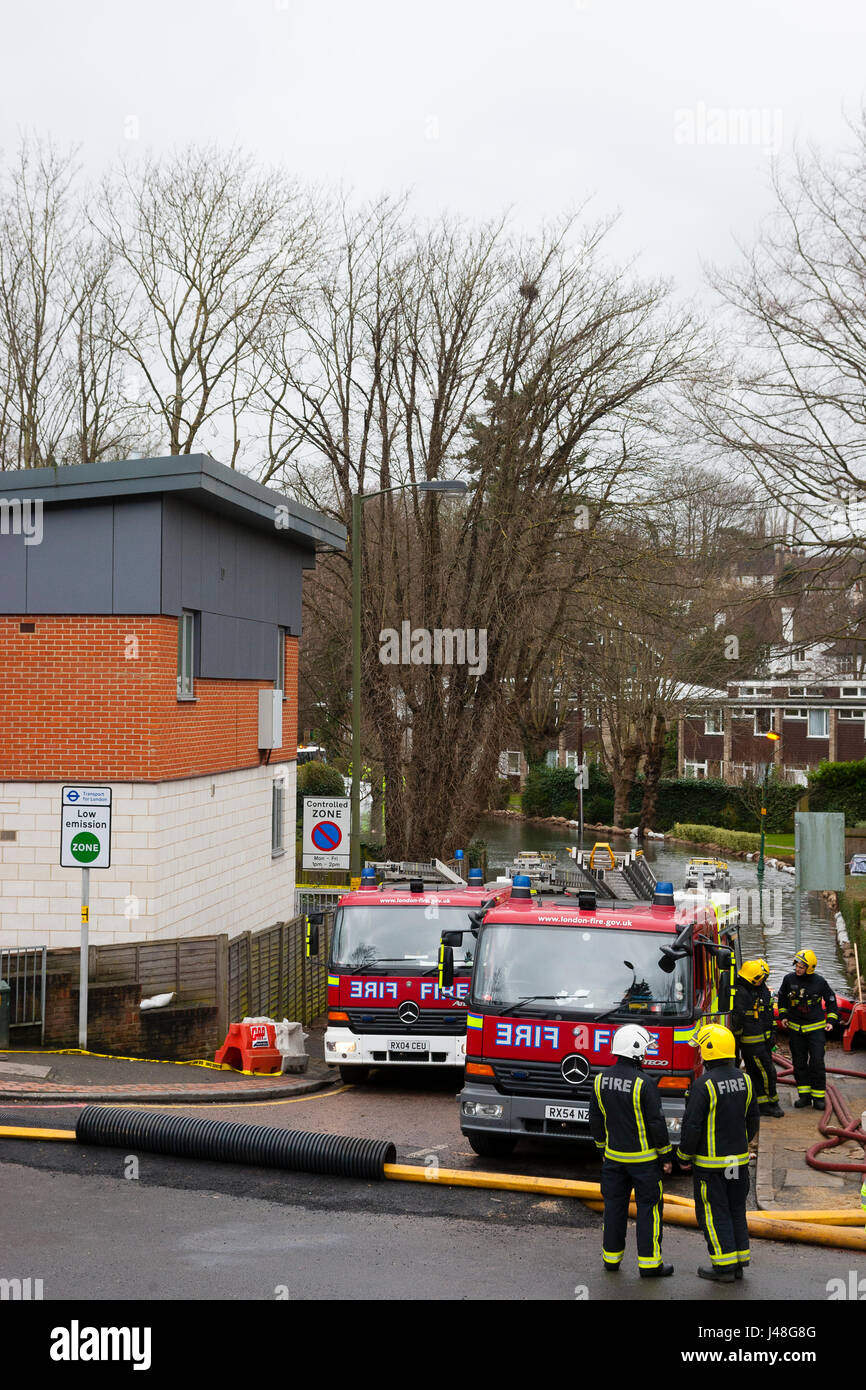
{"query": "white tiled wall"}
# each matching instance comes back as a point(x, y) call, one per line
point(188, 858)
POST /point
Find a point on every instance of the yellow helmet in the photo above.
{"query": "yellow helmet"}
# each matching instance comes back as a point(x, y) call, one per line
point(807, 958)
point(754, 972)
point(716, 1043)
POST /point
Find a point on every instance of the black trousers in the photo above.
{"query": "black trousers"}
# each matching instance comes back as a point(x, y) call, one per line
point(758, 1061)
point(720, 1206)
point(617, 1181)
point(807, 1054)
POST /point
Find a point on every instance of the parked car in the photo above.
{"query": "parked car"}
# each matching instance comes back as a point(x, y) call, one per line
point(858, 864)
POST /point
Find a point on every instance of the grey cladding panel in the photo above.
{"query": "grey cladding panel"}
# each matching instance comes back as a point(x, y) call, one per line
point(13, 574)
point(237, 649)
point(172, 543)
point(71, 571)
point(137, 547)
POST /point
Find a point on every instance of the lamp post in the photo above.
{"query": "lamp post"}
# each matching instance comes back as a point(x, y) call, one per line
point(358, 499)
point(774, 738)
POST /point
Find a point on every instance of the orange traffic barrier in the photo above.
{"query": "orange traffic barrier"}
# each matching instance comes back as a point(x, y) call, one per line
point(251, 1047)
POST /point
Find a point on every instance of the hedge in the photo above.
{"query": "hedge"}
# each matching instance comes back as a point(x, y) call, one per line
point(549, 791)
point(839, 787)
point(717, 835)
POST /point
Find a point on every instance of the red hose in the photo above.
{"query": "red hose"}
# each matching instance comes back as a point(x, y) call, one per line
point(848, 1131)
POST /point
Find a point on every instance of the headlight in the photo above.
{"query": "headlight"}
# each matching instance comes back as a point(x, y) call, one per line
point(341, 1046)
point(482, 1109)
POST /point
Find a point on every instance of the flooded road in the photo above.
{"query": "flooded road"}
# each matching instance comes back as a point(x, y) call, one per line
point(767, 916)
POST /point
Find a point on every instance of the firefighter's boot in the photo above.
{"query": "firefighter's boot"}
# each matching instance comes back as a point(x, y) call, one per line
point(656, 1272)
point(773, 1110)
point(719, 1275)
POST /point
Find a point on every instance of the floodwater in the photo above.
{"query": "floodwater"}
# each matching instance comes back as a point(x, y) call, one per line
point(767, 917)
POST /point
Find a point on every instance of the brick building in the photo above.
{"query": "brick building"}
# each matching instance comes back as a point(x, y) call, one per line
point(142, 611)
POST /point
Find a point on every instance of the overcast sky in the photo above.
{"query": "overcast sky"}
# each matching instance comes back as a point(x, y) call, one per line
point(476, 106)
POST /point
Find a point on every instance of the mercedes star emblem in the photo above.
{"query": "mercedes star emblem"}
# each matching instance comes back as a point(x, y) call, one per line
point(575, 1069)
point(409, 1012)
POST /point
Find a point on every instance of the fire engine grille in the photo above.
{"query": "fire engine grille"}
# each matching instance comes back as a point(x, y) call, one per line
point(539, 1078)
point(431, 1022)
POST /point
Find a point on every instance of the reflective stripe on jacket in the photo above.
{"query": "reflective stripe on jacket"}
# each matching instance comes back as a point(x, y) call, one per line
point(625, 1114)
point(807, 1002)
point(721, 1117)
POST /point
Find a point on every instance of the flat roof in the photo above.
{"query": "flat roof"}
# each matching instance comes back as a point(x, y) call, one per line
point(195, 478)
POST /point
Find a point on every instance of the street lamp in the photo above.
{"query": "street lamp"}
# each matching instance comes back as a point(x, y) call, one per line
point(358, 499)
point(774, 738)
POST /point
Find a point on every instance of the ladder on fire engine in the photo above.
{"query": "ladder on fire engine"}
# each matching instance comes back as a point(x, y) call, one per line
point(429, 870)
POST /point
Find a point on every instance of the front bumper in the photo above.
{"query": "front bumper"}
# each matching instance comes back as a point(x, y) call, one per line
point(345, 1049)
point(524, 1117)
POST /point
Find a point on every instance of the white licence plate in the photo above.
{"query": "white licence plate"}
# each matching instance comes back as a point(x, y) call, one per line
point(408, 1045)
point(567, 1112)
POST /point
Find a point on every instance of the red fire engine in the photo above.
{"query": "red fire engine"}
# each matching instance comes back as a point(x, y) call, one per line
point(386, 1006)
point(552, 981)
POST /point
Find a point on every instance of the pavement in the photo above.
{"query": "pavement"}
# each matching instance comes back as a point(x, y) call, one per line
point(784, 1181)
point(82, 1079)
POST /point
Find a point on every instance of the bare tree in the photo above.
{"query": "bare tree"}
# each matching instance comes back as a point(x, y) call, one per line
point(790, 403)
point(528, 365)
point(38, 297)
point(215, 248)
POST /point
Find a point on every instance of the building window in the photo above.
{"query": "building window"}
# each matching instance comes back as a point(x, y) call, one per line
point(185, 655)
point(714, 721)
point(551, 757)
point(800, 656)
point(696, 770)
point(857, 691)
point(748, 690)
point(819, 723)
point(571, 759)
point(795, 714)
point(798, 690)
point(765, 720)
point(851, 713)
point(277, 800)
point(280, 679)
point(512, 764)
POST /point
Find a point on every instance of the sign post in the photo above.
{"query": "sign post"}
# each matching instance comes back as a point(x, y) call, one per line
point(581, 783)
point(326, 832)
point(819, 856)
point(85, 843)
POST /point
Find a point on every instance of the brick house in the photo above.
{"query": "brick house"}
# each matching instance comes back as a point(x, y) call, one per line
point(139, 622)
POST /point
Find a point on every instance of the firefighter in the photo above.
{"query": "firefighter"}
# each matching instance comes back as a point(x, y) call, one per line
point(807, 1009)
point(625, 1116)
point(721, 1116)
point(753, 1027)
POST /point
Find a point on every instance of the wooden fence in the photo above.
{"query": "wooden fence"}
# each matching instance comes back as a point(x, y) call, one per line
point(256, 973)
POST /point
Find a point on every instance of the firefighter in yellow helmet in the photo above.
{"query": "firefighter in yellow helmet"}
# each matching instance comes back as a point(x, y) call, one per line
point(753, 1026)
point(807, 1010)
point(721, 1116)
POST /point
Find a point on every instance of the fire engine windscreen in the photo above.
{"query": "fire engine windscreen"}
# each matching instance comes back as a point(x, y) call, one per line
point(587, 971)
point(402, 936)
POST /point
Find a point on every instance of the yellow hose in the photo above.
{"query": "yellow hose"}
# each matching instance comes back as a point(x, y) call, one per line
point(814, 1228)
point(11, 1132)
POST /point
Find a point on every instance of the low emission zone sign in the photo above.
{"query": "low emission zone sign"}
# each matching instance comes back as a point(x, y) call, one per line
point(326, 832)
point(85, 828)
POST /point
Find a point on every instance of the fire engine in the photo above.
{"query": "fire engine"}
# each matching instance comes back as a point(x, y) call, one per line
point(552, 980)
point(386, 1006)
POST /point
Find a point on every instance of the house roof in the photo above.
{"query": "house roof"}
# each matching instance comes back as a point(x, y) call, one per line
point(194, 477)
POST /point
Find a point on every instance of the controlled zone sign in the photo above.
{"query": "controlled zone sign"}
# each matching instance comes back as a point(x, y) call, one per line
point(85, 828)
point(326, 832)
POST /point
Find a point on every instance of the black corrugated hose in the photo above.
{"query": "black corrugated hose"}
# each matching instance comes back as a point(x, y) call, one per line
point(225, 1141)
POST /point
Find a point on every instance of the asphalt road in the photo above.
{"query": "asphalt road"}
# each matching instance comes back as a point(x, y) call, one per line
point(93, 1225)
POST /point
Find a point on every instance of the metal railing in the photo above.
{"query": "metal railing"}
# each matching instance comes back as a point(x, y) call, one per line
point(23, 968)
